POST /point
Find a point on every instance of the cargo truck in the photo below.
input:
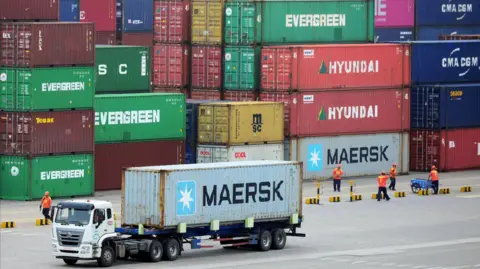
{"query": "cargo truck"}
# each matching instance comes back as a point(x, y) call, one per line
point(251, 203)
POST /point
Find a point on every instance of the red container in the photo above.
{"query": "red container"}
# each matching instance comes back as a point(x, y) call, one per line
point(102, 13)
point(206, 67)
point(350, 112)
point(170, 65)
point(29, 10)
point(242, 96)
point(106, 38)
point(284, 98)
point(211, 94)
point(27, 44)
point(315, 67)
point(46, 133)
point(449, 150)
point(172, 90)
point(111, 158)
point(172, 21)
point(137, 39)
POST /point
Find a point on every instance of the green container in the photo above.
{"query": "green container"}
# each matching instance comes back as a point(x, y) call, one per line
point(299, 22)
point(122, 69)
point(44, 89)
point(23, 178)
point(241, 67)
point(139, 117)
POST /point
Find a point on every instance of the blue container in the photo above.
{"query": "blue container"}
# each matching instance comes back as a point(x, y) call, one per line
point(393, 34)
point(447, 12)
point(119, 22)
point(137, 16)
point(445, 106)
point(69, 10)
point(434, 32)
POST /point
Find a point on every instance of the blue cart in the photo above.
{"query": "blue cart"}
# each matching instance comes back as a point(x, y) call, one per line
point(420, 184)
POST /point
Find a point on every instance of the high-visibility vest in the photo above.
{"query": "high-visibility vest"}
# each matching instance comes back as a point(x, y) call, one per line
point(434, 175)
point(46, 202)
point(382, 181)
point(337, 174)
point(393, 172)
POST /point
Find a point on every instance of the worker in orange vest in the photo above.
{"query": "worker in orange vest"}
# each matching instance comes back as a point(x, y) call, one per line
point(46, 203)
point(337, 178)
point(393, 175)
point(382, 186)
point(434, 176)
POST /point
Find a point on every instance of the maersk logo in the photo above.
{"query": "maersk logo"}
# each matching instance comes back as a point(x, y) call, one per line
point(461, 9)
point(453, 61)
point(314, 157)
point(127, 117)
point(349, 112)
point(350, 67)
point(62, 174)
point(63, 86)
point(186, 198)
point(372, 154)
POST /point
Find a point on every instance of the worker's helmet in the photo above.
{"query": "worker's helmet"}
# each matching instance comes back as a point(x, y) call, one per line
point(383, 172)
point(434, 167)
point(394, 164)
point(339, 165)
point(47, 193)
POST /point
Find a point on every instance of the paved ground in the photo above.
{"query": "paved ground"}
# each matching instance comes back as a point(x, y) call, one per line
point(413, 233)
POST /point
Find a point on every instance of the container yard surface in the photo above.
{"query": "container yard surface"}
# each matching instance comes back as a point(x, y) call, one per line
point(217, 154)
point(281, 97)
point(360, 155)
point(102, 13)
point(172, 21)
point(137, 16)
point(350, 112)
point(31, 44)
point(207, 22)
point(44, 89)
point(239, 123)
point(314, 67)
point(424, 33)
point(110, 159)
point(394, 34)
point(139, 117)
point(45, 133)
point(164, 196)
point(206, 67)
point(29, 10)
point(122, 68)
point(171, 65)
point(69, 10)
point(241, 68)
point(394, 13)
point(447, 12)
point(25, 178)
point(445, 106)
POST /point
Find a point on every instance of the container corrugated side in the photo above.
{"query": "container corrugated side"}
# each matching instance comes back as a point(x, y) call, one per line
point(138, 16)
point(447, 12)
point(158, 190)
point(243, 96)
point(172, 21)
point(282, 97)
point(425, 33)
point(207, 22)
point(394, 13)
point(69, 10)
point(460, 37)
point(102, 13)
point(171, 65)
point(29, 10)
point(241, 68)
point(394, 34)
point(216, 154)
point(106, 38)
point(206, 94)
point(206, 67)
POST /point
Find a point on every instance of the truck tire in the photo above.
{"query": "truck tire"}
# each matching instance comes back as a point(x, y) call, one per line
point(264, 240)
point(70, 261)
point(279, 239)
point(156, 251)
point(107, 258)
point(171, 249)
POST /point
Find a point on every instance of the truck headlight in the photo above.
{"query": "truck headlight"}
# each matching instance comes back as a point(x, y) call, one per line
point(54, 247)
point(85, 250)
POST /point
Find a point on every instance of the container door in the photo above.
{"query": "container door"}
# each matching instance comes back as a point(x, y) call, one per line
point(239, 23)
point(204, 154)
point(14, 178)
point(239, 67)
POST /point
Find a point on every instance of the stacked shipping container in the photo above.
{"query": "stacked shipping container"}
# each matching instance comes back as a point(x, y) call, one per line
point(103, 14)
point(394, 20)
point(135, 22)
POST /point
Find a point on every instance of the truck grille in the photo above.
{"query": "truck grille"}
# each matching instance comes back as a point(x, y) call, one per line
point(69, 237)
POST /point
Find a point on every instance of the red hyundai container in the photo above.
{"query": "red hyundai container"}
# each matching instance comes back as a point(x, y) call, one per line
point(283, 97)
point(173, 90)
point(172, 21)
point(34, 44)
point(137, 39)
point(329, 113)
point(212, 94)
point(316, 67)
point(240, 96)
point(46, 133)
point(206, 67)
point(110, 159)
point(29, 10)
point(106, 38)
point(171, 64)
point(102, 13)
point(449, 150)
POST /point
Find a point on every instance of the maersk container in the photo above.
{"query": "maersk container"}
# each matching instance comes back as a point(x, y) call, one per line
point(452, 61)
point(241, 68)
point(393, 34)
point(435, 32)
point(139, 117)
point(69, 10)
point(197, 194)
point(359, 155)
point(445, 106)
point(218, 154)
point(24, 178)
point(122, 68)
point(46, 89)
point(447, 12)
point(137, 16)
point(207, 22)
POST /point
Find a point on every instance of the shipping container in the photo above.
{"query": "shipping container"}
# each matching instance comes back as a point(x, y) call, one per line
point(240, 96)
point(173, 90)
point(241, 68)
point(46, 89)
point(240, 123)
point(106, 38)
point(206, 67)
point(206, 181)
point(29, 10)
point(102, 13)
point(459, 37)
point(447, 12)
point(46, 133)
point(29, 44)
point(119, 17)
point(394, 13)
point(69, 10)
point(172, 21)
point(122, 68)
point(24, 178)
point(137, 16)
point(393, 34)
point(171, 65)
point(137, 39)
point(139, 117)
point(452, 61)
point(435, 32)
point(449, 150)
point(360, 155)
point(286, 149)
point(282, 97)
point(110, 159)
point(217, 154)
point(207, 22)
point(315, 67)
point(445, 106)
point(350, 112)
point(206, 94)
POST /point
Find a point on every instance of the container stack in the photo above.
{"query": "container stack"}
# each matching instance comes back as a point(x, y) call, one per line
point(394, 20)
point(70, 11)
point(136, 22)
point(103, 14)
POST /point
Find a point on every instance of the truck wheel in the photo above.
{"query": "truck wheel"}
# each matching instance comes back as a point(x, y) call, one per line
point(279, 239)
point(70, 261)
point(171, 249)
point(156, 251)
point(107, 257)
point(264, 240)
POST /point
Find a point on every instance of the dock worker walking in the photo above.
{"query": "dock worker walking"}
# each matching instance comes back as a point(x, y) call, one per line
point(382, 186)
point(337, 178)
point(46, 203)
point(393, 175)
point(434, 176)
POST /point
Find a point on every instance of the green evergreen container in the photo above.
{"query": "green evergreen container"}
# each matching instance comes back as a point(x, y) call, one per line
point(23, 178)
point(241, 67)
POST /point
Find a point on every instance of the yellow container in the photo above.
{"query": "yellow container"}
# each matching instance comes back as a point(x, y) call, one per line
point(207, 21)
point(240, 123)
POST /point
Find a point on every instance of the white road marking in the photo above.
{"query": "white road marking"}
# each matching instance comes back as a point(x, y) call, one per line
point(357, 262)
point(5, 232)
point(388, 264)
point(468, 196)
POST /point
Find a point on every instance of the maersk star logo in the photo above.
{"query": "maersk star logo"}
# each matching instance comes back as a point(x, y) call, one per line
point(315, 157)
point(186, 198)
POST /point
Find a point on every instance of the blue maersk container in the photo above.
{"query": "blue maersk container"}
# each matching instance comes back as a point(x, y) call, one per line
point(393, 34)
point(445, 106)
point(137, 16)
point(69, 10)
point(434, 32)
point(447, 12)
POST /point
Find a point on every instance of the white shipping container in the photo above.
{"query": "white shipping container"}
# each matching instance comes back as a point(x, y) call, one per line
point(214, 154)
point(196, 194)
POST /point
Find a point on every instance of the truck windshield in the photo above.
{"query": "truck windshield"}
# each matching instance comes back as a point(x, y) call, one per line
point(73, 216)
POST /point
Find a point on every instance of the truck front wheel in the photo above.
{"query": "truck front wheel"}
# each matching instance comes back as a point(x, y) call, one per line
point(107, 258)
point(171, 247)
point(70, 261)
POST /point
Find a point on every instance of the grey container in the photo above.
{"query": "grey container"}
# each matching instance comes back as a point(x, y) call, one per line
point(166, 196)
